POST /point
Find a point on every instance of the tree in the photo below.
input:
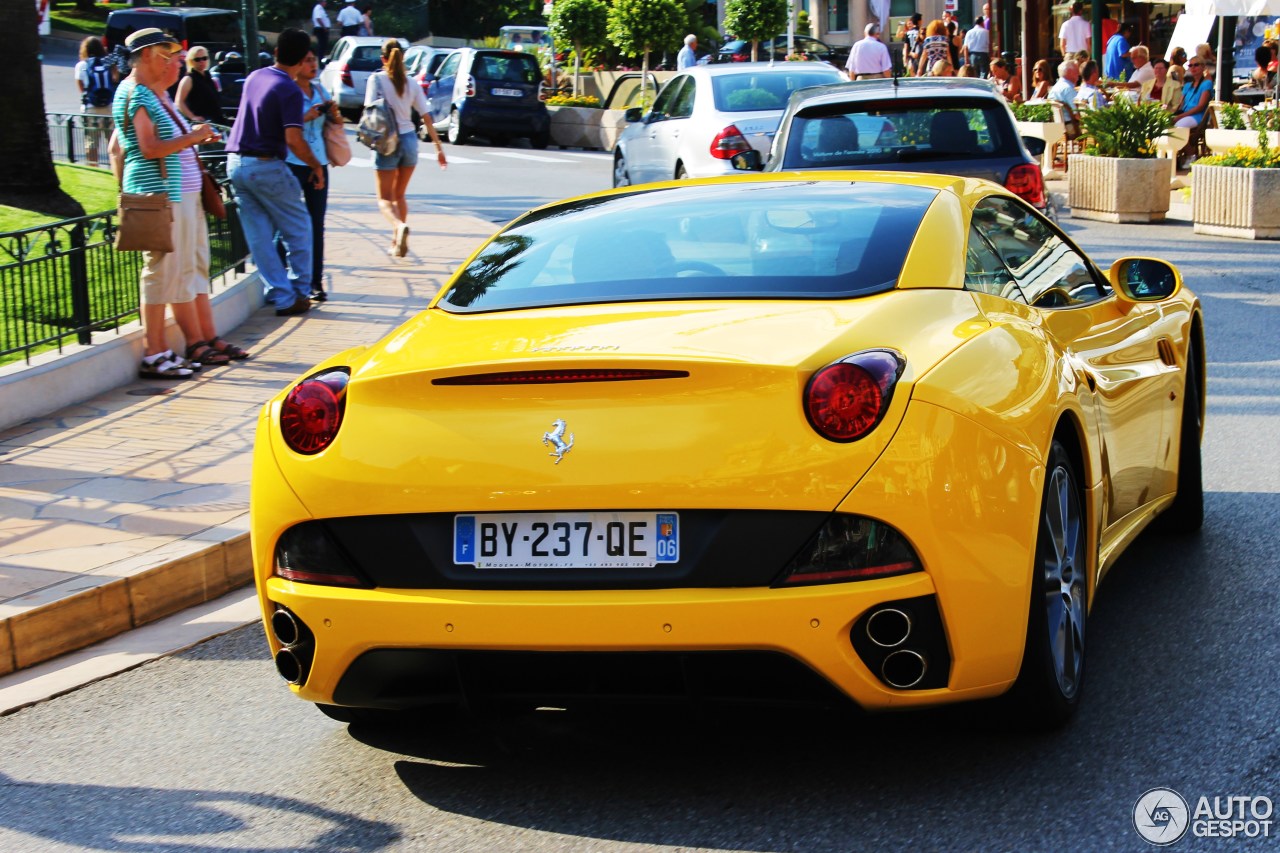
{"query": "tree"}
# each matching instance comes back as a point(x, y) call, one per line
point(755, 20)
point(639, 26)
point(28, 179)
point(582, 23)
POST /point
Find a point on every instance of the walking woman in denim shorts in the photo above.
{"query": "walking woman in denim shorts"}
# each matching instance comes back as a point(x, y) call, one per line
point(394, 170)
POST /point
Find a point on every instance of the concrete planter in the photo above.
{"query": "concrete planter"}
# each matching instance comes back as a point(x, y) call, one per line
point(1221, 141)
point(1119, 189)
point(575, 127)
point(1229, 201)
point(586, 127)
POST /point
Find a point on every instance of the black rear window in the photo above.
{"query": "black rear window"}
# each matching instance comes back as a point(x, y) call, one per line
point(882, 132)
point(367, 57)
point(214, 29)
point(737, 240)
point(506, 67)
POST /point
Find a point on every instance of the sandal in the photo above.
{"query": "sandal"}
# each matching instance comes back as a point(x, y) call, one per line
point(232, 351)
point(201, 352)
point(163, 365)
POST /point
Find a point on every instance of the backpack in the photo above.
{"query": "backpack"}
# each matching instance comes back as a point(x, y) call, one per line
point(99, 91)
point(378, 127)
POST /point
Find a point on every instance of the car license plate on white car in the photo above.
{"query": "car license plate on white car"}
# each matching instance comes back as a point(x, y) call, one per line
point(564, 540)
point(509, 93)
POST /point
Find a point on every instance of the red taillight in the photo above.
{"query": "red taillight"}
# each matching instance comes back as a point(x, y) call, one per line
point(471, 86)
point(552, 377)
point(312, 412)
point(346, 76)
point(846, 400)
point(1026, 181)
point(728, 142)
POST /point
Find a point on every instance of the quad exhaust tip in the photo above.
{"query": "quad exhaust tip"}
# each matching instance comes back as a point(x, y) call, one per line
point(888, 627)
point(289, 666)
point(286, 628)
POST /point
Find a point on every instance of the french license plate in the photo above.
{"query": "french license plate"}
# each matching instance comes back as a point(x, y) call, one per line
point(565, 540)
point(509, 93)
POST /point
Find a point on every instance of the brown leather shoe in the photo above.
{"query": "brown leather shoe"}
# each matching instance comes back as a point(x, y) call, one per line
point(299, 306)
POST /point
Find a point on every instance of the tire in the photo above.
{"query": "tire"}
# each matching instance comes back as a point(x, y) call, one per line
point(620, 176)
point(1186, 514)
point(457, 136)
point(540, 141)
point(1051, 680)
point(682, 174)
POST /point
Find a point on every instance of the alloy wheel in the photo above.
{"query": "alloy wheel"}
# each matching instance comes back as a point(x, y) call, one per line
point(1064, 566)
point(620, 177)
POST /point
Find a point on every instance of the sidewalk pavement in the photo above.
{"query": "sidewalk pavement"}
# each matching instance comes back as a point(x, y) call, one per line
point(135, 505)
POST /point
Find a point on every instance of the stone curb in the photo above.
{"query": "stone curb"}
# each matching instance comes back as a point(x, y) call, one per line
point(121, 605)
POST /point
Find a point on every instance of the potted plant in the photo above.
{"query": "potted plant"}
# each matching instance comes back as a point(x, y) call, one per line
point(1037, 122)
point(1119, 178)
point(1237, 194)
point(1237, 128)
point(575, 120)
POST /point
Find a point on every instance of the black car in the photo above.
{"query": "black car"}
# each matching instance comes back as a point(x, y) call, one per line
point(947, 125)
point(739, 50)
point(217, 30)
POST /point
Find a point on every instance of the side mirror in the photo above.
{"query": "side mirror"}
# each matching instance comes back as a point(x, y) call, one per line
point(747, 161)
point(1034, 146)
point(633, 114)
point(1144, 279)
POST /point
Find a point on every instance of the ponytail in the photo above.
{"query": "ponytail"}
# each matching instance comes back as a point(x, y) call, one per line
point(393, 59)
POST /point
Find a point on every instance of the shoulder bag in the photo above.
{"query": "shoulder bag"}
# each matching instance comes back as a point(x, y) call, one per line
point(378, 126)
point(336, 146)
point(144, 221)
point(210, 195)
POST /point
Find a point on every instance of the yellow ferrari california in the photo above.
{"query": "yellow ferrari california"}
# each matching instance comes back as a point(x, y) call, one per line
point(870, 438)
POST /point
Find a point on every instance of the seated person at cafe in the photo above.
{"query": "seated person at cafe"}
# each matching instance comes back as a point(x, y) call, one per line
point(1264, 76)
point(1143, 76)
point(1010, 86)
point(1089, 94)
point(1167, 85)
point(1064, 91)
point(1197, 90)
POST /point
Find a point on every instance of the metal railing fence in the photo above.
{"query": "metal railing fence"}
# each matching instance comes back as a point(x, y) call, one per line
point(63, 282)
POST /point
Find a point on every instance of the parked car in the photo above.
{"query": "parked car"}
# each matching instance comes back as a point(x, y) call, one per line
point(217, 30)
point(497, 94)
point(706, 114)
point(739, 50)
point(860, 438)
point(948, 125)
point(228, 75)
point(345, 73)
point(421, 62)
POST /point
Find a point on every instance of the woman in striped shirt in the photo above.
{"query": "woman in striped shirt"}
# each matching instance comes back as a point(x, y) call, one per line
point(158, 155)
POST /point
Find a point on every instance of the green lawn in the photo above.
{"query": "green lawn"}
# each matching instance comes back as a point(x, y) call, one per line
point(96, 189)
point(65, 16)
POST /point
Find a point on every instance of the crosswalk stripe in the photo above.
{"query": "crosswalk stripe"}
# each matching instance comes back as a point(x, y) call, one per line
point(454, 160)
point(519, 156)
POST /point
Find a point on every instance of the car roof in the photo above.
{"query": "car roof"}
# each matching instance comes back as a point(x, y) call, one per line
point(755, 67)
point(174, 11)
point(361, 41)
point(903, 88)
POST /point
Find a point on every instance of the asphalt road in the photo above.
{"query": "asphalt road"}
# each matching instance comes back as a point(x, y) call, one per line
point(206, 750)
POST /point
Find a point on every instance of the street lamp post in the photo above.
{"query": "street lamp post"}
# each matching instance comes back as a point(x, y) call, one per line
point(249, 14)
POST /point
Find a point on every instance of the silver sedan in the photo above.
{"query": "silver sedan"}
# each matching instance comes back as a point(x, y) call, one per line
point(706, 114)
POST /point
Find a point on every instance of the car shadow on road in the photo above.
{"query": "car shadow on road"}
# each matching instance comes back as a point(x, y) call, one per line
point(158, 819)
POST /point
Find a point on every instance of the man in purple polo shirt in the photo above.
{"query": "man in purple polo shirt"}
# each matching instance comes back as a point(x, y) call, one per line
point(268, 124)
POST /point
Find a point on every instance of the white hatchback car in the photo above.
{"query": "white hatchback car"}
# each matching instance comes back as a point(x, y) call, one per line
point(706, 114)
point(345, 72)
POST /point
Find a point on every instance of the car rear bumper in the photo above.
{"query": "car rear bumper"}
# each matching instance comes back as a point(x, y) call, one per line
point(970, 514)
point(520, 121)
